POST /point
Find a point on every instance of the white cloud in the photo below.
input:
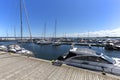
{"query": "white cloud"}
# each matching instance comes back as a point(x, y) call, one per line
point(101, 33)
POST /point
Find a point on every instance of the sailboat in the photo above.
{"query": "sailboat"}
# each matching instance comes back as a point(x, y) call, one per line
point(21, 23)
point(56, 42)
point(15, 48)
point(44, 41)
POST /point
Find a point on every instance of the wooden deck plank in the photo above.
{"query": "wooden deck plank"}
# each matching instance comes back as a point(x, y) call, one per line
point(37, 73)
point(6, 60)
point(10, 69)
point(15, 67)
point(69, 74)
point(20, 72)
point(42, 73)
point(58, 74)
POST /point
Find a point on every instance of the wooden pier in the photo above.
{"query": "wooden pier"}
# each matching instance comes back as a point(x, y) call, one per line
point(18, 67)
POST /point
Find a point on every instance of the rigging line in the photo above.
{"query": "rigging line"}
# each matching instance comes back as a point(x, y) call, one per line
point(26, 14)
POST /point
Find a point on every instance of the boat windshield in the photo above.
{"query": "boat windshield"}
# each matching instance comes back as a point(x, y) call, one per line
point(109, 59)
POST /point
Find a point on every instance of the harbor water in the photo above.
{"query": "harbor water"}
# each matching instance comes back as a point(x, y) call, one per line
point(50, 52)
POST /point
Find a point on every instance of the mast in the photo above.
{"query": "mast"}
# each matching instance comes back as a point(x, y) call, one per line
point(44, 30)
point(55, 28)
point(7, 35)
point(88, 34)
point(21, 19)
point(15, 33)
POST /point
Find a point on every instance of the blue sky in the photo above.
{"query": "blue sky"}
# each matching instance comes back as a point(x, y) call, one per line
point(74, 17)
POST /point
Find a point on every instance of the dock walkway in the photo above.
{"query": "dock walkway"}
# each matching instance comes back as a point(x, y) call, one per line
point(17, 67)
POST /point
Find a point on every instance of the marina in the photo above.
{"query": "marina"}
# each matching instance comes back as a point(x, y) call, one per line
point(24, 68)
point(59, 40)
point(46, 54)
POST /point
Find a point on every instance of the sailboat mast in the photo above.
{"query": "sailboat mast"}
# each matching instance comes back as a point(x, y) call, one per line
point(7, 35)
point(55, 28)
point(44, 30)
point(21, 19)
point(88, 34)
point(15, 32)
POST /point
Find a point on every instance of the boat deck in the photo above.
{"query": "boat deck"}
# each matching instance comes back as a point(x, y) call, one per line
point(17, 67)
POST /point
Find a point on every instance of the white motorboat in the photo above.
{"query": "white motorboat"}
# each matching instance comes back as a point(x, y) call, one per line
point(3, 48)
point(17, 49)
point(25, 52)
point(90, 59)
point(14, 48)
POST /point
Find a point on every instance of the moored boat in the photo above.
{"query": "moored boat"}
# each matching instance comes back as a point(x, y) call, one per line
point(3, 48)
point(90, 59)
point(17, 49)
